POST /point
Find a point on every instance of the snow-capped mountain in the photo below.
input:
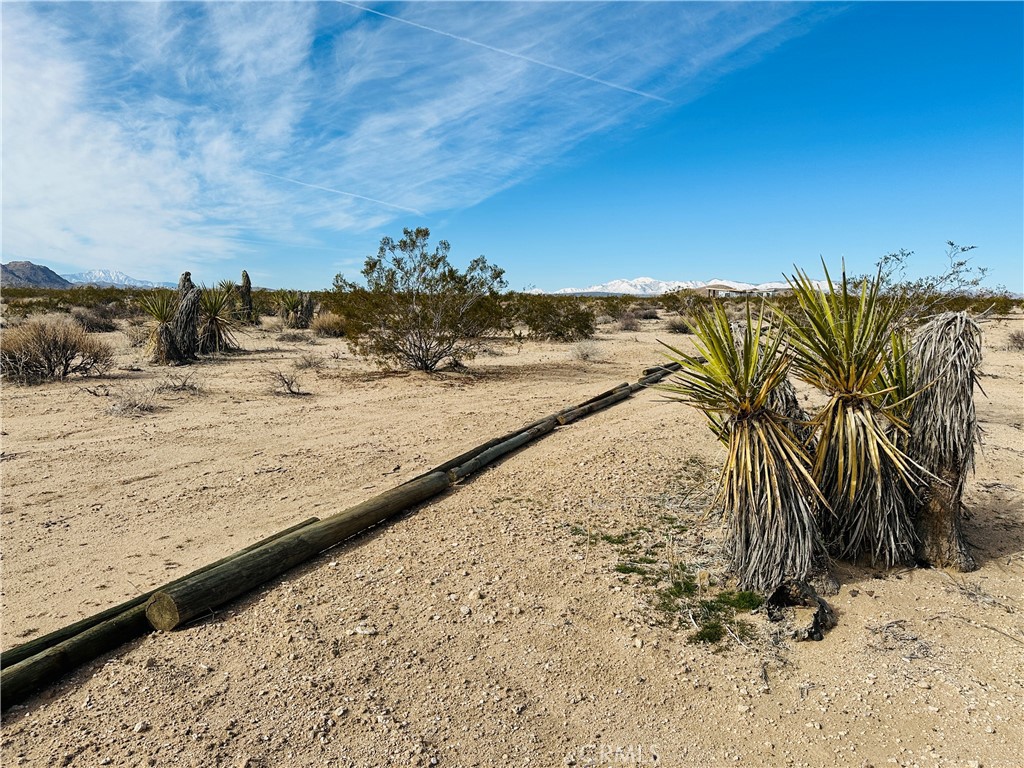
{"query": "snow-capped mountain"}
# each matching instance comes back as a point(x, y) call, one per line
point(640, 286)
point(648, 286)
point(112, 277)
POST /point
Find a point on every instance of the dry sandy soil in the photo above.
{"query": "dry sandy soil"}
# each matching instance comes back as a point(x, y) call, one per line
point(488, 627)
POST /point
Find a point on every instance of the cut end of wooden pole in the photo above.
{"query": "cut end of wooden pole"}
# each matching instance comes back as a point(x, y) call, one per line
point(162, 612)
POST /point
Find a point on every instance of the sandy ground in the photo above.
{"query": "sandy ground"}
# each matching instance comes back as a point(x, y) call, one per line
point(488, 627)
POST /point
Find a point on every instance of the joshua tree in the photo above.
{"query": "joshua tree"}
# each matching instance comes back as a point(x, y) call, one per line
point(943, 432)
point(245, 298)
point(186, 317)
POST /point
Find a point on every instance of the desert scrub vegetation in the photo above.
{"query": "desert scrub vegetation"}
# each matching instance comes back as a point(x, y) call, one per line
point(94, 320)
point(51, 348)
point(295, 309)
point(1015, 341)
point(679, 325)
point(628, 321)
point(553, 318)
point(417, 311)
point(329, 325)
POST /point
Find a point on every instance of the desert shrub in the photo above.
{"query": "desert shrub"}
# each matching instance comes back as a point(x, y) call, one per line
point(328, 324)
point(628, 322)
point(554, 318)
point(292, 336)
point(647, 314)
point(1015, 342)
point(185, 383)
point(766, 491)
point(840, 339)
point(310, 362)
point(136, 334)
point(133, 401)
point(51, 348)
point(586, 351)
point(417, 310)
point(92, 320)
point(284, 383)
point(604, 320)
point(679, 325)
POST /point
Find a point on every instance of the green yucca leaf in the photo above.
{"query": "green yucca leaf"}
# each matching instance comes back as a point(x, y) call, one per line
point(160, 305)
point(767, 490)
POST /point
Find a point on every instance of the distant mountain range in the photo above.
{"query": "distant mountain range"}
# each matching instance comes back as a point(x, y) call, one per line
point(648, 286)
point(112, 278)
point(25, 274)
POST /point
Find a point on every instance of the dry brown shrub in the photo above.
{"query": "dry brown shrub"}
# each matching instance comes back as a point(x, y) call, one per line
point(328, 324)
point(51, 348)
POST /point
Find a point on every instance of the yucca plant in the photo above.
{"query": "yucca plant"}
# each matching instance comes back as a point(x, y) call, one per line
point(767, 492)
point(943, 432)
point(216, 323)
point(161, 306)
point(840, 340)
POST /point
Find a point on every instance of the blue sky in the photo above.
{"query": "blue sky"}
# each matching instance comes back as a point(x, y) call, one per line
point(570, 143)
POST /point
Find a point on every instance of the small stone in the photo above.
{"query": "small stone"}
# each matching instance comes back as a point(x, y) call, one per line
point(924, 684)
point(475, 595)
point(141, 727)
point(150, 662)
point(638, 643)
point(742, 708)
point(465, 610)
point(366, 630)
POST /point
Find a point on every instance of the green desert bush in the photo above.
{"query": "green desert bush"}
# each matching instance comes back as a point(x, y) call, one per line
point(51, 348)
point(417, 311)
point(160, 306)
point(554, 318)
point(1015, 342)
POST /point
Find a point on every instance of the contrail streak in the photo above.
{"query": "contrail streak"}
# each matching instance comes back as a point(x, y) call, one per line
point(341, 192)
point(514, 55)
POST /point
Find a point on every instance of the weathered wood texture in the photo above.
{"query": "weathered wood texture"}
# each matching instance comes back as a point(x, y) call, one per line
point(182, 602)
point(39, 644)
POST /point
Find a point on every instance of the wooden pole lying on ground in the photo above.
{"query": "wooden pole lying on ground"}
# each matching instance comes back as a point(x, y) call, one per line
point(36, 663)
point(40, 644)
point(46, 658)
point(182, 602)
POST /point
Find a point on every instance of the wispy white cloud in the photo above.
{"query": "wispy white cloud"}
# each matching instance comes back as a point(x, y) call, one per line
point(153, 137)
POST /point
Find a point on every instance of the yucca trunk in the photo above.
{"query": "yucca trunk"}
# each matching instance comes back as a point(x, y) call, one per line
point(943, 433)
point(772, 535)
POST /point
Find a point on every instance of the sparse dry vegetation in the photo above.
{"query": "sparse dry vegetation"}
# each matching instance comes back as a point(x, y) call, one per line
point(51, 348)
